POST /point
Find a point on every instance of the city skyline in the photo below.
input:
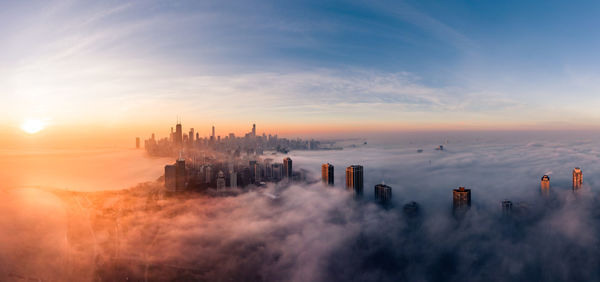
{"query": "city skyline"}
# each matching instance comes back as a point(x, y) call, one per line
point(425, 67)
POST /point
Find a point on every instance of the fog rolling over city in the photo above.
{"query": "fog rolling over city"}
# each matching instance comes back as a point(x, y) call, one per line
point(314, 232)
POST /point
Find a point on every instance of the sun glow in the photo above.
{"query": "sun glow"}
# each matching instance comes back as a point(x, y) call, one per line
point(32, 126)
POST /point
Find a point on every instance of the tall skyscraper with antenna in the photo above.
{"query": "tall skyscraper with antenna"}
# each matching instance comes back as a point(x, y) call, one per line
point(178, 134)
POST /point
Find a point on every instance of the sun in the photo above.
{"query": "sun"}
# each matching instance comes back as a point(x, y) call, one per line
point(33, 126)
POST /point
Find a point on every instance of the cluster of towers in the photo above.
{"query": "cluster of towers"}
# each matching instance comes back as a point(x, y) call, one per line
point(461, 197)
point(355, 182)
point(577, 181)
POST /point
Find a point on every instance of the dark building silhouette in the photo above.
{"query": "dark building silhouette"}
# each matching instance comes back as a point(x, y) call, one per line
point(507, 207)
point(175, 176)
point(383, 193)
point(354, 179)
point(277, 171)
point(411, 209)
point(287, 168)
point(137, 142)
point(327, 174)
point(461, 198)
point(577, 178)
point(178, 135)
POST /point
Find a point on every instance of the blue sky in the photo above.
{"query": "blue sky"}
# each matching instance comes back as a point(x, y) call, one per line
point(396, 64)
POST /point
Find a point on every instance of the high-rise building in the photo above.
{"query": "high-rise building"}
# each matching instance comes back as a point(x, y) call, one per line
point(176, 176)
point(191, 136)
point(354, 179)
point(327, 174)
point(170, 178)
point(287, 168)
point(383, 193)
point(137, 142)
point(277, 171)
point(545, 185)
point(181, 174)
point(577, 178)
point(411, 209)
point(220, 180)
point(461, 198)
point(213, 132)
point(178, 135)
point(232, 179)
point(258, 172)
point(253, 129)
point(208, 175)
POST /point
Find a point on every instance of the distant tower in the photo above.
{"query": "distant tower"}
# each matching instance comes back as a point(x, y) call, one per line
point(461, 198)
point(253, 129)
point(287, 168)
point(170, 178)
point(577, 178)
point(327, 173)
point(277, 171)
point(506, 207)
point(178, 134)
point(354, 179)
point(383, 193)
point(191, 136)
point(180, 174)
point(545, 185)
point(257, 173)
point(232, 179)
point(175, 176)
point(137, 142)
point(220, 180)
point(213, 132)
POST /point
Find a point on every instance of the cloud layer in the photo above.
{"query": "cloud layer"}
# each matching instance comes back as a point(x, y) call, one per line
point(310, 232)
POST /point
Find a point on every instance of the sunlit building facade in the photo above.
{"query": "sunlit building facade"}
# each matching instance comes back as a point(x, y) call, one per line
point(327, 174)
point(354, 179)
point(545, 185)
point(577, 178)
point(461, 198)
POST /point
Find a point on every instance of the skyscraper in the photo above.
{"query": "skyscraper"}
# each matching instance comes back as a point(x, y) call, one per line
point(287, 168)
point(175, 176)
point(180, 174)
point(137, 142)
point(232, 179)
point(383, 193)
point(545, 185)
point(178, 135)
point(170, 178)
point(253, 129)
point(354, 179)
point(461, 198)
point(327, 173)
point(577, 178)
point(277, 171)
point(191, 136)
point(220, 180)
point(213, 132)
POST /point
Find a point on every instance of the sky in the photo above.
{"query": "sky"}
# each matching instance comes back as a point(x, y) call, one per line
point(113, 66)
